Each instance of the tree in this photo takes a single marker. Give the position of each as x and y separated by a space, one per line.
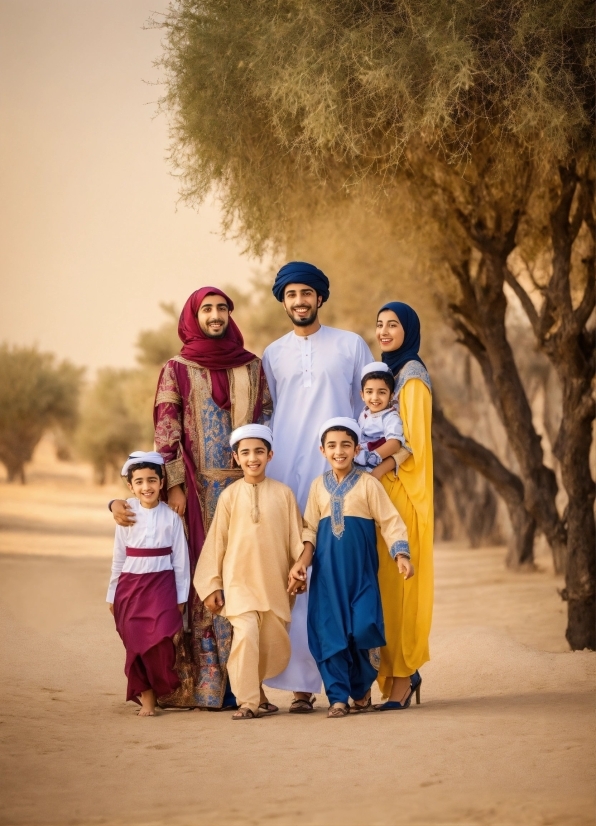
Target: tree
36 394
476 120
110 421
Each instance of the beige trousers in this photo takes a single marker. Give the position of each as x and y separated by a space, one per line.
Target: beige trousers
260 649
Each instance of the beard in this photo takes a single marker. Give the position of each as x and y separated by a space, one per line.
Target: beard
305 321
212 333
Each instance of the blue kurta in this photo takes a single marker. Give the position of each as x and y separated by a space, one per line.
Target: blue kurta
344 598
345 603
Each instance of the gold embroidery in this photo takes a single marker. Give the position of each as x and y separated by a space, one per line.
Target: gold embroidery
175 473
167 396
239 379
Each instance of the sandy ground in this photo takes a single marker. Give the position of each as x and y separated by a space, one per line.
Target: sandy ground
504 734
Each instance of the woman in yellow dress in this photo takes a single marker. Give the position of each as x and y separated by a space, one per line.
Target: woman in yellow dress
408 479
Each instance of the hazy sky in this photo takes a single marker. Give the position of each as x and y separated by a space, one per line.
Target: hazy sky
91 237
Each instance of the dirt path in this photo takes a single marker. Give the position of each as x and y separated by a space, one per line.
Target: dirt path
504 735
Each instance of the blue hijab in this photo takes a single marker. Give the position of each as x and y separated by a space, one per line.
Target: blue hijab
395 359
299 272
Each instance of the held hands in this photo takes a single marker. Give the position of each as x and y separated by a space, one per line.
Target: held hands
111 607
215 602
181 607
297 579
177 500
404 566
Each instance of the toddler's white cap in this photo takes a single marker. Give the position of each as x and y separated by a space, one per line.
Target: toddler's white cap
251 431
342 422
138 456
374 367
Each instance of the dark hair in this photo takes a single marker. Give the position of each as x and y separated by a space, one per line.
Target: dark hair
338 429
384 375
140 465
265 442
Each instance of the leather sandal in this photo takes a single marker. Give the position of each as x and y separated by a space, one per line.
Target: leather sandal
362 708
303 706
267 708
244 714
335 712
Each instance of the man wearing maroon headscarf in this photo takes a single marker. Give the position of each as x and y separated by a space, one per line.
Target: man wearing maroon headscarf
212 387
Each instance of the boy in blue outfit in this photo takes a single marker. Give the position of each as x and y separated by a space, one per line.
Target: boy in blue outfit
345 618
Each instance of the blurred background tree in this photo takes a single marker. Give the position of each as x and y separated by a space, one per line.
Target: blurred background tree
36 395
117 408
467 129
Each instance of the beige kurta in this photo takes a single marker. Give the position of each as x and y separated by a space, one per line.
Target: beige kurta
255 537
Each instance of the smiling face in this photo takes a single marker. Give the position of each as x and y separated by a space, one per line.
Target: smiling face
146 484
213 316
302 304
339 450
390 333
253 456
376 395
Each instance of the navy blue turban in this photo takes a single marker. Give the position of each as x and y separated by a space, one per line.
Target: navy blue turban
299 272
395 359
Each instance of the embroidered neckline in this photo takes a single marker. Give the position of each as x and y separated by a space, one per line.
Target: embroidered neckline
411 370
337 492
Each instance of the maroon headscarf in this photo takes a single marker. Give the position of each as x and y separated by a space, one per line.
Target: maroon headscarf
216 354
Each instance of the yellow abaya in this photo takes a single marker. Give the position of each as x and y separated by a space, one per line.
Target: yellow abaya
408 606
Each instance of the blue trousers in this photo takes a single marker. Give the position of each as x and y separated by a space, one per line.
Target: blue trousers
347 674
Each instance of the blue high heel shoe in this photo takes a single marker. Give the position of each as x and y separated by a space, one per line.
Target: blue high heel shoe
393 705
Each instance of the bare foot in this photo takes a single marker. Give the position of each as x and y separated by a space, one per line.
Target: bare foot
148 703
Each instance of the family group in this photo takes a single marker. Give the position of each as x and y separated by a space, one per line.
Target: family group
295 548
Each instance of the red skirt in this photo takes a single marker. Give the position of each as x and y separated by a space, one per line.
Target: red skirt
147 615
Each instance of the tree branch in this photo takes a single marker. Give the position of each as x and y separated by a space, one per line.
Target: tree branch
524 298
477 456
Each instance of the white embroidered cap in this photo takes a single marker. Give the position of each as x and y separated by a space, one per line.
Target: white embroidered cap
374 367
138 456
342 422
251 431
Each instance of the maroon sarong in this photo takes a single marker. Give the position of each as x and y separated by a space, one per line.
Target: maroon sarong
147 619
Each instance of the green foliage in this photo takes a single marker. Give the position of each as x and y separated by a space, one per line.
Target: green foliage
155 347
117 412
271 99
111 420
36 394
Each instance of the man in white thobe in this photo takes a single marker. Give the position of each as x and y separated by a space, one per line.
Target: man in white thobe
313 374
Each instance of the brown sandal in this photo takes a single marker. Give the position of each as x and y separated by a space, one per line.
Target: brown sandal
303 706
335 712
362 708
244 714
267 708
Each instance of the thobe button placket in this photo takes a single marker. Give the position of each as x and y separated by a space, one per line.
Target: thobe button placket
306 361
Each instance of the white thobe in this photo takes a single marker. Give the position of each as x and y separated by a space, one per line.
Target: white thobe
311 379
157 527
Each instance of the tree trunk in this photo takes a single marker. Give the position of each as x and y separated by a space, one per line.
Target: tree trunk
15 469
507 484
562 334
479 318
571 349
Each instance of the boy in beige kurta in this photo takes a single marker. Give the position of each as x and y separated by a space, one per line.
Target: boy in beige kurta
242 573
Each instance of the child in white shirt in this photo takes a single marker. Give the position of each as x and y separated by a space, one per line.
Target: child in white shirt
380 423
149 584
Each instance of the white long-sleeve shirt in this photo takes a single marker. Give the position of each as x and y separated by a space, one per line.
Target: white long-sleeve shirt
157 527
311 379
386 424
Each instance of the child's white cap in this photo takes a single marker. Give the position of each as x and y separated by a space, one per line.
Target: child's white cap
251 431
375 367
138 456
341 422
